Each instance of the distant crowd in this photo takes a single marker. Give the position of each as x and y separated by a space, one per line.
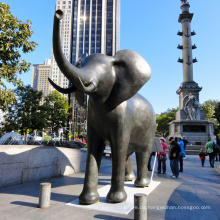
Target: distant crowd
177 154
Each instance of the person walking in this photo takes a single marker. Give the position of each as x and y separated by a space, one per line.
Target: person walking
182 152
185 141
217 153
162 156
174 157
209 147
202 156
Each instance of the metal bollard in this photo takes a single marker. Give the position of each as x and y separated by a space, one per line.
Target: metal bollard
140 206
44 195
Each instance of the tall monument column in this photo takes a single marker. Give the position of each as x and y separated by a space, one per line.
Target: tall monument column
188 86
190 119
185 19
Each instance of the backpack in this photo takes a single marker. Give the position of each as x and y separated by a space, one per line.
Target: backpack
215 148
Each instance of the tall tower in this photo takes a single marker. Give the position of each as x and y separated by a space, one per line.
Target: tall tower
40 75
188 85
88 26
190 119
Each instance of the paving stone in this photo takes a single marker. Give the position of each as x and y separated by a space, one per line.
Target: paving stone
195 195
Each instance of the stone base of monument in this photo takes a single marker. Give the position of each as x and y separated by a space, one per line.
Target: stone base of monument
197 132
117 208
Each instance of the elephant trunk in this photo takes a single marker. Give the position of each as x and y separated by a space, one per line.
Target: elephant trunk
75 75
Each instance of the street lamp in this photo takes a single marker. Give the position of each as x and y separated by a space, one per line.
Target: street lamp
70 123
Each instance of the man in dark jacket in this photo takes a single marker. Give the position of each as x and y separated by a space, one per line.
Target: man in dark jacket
174 157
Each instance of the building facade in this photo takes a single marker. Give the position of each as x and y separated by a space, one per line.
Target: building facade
88 26
40 75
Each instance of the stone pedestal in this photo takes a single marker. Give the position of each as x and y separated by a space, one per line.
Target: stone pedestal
196 129
197 132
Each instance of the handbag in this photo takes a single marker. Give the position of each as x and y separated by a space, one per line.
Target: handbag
162 157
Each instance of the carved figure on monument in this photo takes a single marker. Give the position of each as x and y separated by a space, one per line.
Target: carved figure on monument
116 115
192 107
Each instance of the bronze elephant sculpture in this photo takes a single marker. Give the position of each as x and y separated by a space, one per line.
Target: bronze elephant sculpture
116 114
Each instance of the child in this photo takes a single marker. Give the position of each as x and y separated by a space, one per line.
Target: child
202 155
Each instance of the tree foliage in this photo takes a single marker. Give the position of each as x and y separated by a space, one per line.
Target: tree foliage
57 110
211 111
163 121
26 113
14 39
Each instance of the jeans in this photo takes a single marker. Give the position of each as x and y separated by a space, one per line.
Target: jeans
181 162
203 162
174 165
212 159
159 165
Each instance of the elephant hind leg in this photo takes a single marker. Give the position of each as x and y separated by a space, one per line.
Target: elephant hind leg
142 161
129 174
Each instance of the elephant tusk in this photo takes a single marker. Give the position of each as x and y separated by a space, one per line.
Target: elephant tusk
62 90
89 88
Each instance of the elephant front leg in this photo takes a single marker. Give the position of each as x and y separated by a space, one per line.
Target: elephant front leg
129 174
117 193
95 149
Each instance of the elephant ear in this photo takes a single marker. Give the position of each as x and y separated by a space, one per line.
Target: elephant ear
131 72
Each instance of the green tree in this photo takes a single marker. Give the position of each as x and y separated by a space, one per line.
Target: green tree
213 102
217 112
210 108
26 114
56 108
14 39
163 124
163 121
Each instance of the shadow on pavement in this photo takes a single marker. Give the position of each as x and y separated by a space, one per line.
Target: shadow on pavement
101 216
25 204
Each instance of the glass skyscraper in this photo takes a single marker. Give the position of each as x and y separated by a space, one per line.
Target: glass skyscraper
89 26
96 27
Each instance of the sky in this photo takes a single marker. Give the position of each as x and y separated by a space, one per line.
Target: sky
150 28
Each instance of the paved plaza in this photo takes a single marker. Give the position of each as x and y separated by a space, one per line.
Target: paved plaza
195 195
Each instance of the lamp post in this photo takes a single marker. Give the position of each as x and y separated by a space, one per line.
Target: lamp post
70 123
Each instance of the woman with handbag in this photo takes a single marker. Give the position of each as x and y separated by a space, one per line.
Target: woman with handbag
162 156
